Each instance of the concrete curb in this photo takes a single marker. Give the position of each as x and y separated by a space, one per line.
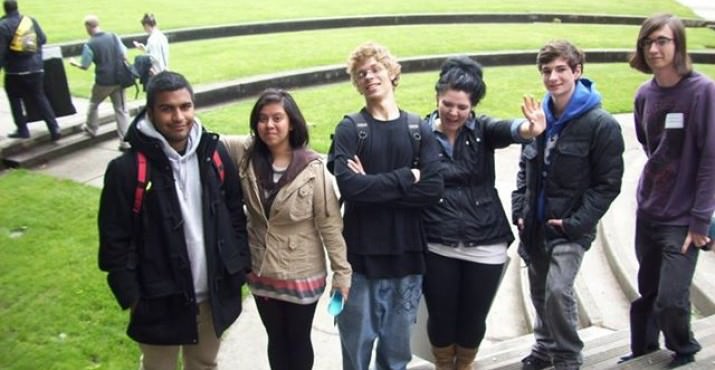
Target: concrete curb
231 91
74 48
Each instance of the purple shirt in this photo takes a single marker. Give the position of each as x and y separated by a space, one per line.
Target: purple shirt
676 126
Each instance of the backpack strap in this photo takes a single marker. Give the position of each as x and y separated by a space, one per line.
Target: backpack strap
218 164
362 130
413 124
142 181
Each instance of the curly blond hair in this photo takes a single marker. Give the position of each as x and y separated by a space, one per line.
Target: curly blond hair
381 54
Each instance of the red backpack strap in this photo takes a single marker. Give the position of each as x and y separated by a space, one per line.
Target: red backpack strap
218 163
141 182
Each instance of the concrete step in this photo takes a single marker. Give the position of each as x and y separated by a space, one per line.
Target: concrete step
601 297
44 151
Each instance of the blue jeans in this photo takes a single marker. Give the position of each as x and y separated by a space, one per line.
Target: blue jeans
382 309
551 279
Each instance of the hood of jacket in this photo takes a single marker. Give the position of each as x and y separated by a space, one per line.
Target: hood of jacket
584 98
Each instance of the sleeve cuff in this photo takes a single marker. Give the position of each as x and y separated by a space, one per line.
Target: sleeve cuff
515 135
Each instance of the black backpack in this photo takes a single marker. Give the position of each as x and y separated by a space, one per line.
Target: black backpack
413 124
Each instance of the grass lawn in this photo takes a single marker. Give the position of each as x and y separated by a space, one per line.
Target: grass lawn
57 311
62 20
323 107
208 61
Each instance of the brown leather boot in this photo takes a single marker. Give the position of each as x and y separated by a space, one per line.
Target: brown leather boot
465 358
444 357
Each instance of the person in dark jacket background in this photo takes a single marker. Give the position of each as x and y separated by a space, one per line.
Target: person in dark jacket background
178 258
467 232
24 74
567 179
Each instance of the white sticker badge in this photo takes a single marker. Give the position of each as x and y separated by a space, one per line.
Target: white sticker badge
673 120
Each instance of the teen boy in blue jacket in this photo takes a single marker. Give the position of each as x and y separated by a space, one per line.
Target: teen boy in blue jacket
568 177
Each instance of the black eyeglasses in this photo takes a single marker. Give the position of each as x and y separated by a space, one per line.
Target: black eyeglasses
660 42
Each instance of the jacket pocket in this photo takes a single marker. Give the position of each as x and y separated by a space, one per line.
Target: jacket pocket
162 288
571 168
301 203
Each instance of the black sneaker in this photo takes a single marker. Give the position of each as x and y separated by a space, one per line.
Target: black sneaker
18 135
54 136
632 356
680 359
532 362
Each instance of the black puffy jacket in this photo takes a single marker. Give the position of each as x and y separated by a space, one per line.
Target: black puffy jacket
583 179
470 210
146 259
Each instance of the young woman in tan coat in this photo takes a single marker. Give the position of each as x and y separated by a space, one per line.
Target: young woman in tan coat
293 219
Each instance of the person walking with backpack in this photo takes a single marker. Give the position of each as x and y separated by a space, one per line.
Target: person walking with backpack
108 54
385 183
467 231
294 221
21 40
157 45
172 232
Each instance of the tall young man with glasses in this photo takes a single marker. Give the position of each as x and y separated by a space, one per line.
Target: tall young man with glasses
384 193
675 124
568 177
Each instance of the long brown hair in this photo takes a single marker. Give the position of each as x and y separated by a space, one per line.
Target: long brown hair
681 61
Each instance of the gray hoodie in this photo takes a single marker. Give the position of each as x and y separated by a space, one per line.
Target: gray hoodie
187 182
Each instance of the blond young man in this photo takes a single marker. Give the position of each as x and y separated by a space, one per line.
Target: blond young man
384 192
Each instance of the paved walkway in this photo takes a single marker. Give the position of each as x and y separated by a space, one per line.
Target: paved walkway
702 8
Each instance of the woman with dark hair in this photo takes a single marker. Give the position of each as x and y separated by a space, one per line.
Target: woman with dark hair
467 232
293 219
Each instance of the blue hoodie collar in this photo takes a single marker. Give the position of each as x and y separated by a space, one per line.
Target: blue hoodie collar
584 98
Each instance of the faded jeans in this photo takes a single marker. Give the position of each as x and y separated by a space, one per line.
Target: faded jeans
379 309
551 279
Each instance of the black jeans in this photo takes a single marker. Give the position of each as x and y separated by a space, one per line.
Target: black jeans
288 326
24 89
458 294
664 279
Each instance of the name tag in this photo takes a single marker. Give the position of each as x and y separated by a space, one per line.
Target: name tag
673 120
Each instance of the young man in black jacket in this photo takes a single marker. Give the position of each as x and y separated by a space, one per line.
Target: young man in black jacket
176 255
384 193
568 177
24 74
